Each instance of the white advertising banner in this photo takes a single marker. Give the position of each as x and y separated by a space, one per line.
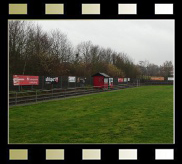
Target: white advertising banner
125 79
170 78
71 79
110 80
105 80
51 80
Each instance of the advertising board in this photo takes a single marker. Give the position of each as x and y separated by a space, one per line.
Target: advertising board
51 80
125 79
25 80
156 78
110 80
71 79
120 80
170 78
105 80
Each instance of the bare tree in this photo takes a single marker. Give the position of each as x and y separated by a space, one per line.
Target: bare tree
17 45
35 51
167 69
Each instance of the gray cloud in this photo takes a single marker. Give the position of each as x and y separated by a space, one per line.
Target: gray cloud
151 40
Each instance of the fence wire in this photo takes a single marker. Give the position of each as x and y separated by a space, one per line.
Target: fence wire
63 83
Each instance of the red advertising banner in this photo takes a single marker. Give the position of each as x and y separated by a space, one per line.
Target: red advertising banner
120 80
25 80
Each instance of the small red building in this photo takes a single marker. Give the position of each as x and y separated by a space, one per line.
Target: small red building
100 80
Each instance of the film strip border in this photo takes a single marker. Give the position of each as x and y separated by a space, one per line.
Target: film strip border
94 9
90 9
90 154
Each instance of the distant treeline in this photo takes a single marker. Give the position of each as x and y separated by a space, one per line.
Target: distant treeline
33 51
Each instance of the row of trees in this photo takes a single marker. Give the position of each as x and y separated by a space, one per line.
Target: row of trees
148 69
33 51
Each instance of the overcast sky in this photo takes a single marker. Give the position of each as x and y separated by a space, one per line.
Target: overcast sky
151 40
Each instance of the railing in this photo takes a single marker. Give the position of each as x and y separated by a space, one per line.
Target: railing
18 98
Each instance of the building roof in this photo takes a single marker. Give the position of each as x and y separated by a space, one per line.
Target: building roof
101 74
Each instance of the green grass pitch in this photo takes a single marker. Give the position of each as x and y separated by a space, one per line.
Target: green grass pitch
134 115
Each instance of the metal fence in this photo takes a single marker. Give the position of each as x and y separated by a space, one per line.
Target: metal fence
63 89
29 96
63 83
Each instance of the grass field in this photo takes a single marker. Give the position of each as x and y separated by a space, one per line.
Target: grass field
134 115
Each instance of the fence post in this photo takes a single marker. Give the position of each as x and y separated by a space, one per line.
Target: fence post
42 82
75 81
61 81
137 82
36 95
16 98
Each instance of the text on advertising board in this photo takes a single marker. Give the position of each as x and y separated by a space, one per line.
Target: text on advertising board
156 78
25 80
71 79
120 80
51 80
110 80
